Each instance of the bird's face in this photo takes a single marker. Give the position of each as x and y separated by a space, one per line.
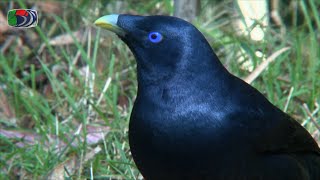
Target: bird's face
165 48
153 40
159 43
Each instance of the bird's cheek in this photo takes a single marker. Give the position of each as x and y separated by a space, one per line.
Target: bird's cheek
142 43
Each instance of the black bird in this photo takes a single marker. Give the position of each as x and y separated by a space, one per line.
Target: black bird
192 119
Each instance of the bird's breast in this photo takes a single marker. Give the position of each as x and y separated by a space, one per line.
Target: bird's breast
159 131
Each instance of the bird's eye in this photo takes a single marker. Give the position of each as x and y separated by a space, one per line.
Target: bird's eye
155 37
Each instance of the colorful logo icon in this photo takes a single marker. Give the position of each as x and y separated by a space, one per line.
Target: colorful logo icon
22 18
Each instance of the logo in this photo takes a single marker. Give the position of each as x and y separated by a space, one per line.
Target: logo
22 18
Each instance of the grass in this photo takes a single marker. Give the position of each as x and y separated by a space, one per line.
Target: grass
55 91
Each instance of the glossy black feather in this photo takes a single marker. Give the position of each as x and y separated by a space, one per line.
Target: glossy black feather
192 119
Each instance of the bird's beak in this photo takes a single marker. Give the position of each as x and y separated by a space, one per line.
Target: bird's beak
109 22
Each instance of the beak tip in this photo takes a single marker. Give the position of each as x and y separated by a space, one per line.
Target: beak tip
111 19
109 22
98 22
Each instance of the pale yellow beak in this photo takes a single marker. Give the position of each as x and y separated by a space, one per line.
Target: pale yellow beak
109 22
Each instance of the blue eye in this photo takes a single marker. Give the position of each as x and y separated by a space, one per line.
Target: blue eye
155 37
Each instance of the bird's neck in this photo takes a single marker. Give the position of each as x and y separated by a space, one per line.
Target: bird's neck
201 60
201 69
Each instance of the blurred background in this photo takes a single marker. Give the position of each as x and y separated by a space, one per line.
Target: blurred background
67 87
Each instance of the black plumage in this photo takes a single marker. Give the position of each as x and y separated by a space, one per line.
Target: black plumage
192 119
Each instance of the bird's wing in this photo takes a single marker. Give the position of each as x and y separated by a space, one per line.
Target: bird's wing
274 130
288 136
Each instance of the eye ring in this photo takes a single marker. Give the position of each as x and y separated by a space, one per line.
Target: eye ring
155 37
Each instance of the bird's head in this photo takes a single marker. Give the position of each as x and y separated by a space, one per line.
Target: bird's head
163 45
